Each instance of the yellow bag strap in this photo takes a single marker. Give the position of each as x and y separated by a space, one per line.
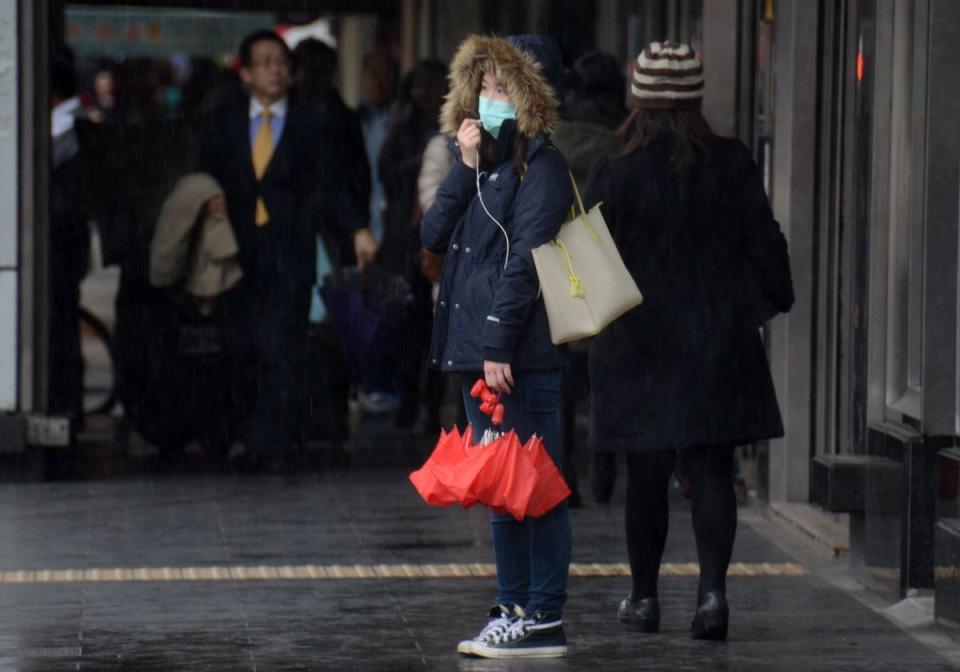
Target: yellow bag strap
576 193
576 284
583 212
573 211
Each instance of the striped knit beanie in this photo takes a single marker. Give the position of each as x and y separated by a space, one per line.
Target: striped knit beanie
667 75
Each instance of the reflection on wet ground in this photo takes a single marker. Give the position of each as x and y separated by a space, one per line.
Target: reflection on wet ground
249 584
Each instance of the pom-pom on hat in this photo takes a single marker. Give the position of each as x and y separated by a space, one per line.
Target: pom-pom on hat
667 75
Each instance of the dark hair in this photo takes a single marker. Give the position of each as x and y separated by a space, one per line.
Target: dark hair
63 80
316 52
687 128
426 85
518 152
598 74
316 64
246 46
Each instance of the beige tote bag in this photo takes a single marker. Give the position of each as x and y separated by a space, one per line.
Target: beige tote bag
584 281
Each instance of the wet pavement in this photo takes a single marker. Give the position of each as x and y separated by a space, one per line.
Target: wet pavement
351 571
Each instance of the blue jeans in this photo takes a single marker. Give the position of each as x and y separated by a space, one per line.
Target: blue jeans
533 555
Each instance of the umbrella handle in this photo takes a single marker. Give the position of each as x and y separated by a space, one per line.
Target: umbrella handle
490 401
484 394
479 388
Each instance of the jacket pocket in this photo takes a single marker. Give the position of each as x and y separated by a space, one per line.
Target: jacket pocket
498 195
480 286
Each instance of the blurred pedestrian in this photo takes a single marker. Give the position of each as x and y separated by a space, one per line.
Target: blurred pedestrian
433 170
69 248
377 388
281 184
414 123
206 88
685 375
507 192
586 134
380 75
591 114
315 83
401 157
107 108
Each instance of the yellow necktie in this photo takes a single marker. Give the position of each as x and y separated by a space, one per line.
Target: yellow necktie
262 151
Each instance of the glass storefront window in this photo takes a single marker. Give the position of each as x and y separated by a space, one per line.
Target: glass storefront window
906 224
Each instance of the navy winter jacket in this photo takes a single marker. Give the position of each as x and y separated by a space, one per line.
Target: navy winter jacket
486 311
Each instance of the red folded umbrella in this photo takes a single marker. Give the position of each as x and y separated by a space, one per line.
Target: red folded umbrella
429 480
509 477
550 488
497 473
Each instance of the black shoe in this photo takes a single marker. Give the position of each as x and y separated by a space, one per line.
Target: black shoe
710 621
535 635
644 615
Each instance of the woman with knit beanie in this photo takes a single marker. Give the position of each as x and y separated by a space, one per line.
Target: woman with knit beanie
684 378
507 192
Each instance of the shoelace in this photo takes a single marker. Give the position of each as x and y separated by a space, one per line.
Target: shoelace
517 630
496 627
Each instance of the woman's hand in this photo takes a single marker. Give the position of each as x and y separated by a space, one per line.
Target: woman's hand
498 376
468 137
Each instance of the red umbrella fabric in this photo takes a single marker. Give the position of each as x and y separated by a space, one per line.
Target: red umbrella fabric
550 488
519 479
500 473
429 479
507 477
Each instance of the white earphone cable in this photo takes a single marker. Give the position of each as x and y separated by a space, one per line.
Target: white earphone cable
483 205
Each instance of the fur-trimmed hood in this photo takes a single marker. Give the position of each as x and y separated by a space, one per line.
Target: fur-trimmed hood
520 72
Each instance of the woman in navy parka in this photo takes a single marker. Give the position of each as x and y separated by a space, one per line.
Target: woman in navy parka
491 321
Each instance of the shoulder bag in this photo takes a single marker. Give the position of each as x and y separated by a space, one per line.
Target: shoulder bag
585 283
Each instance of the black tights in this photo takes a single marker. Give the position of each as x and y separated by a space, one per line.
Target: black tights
709 471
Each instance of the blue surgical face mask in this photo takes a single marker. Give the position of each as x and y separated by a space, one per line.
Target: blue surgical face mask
494 112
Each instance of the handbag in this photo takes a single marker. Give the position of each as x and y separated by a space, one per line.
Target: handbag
585 283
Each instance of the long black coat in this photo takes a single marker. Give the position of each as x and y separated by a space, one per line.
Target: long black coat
688 367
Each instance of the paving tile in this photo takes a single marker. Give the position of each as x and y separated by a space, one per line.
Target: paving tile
371 517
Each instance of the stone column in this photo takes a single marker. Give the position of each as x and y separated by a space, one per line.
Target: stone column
357 35
9 205
720 34
792 196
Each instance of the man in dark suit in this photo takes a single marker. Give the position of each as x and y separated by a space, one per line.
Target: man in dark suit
281 184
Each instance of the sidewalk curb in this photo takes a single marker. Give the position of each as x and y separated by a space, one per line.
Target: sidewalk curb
829 530
809 541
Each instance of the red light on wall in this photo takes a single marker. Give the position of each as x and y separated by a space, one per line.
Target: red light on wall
860 61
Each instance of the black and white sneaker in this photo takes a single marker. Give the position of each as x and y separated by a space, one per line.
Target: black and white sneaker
536 635
501 618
